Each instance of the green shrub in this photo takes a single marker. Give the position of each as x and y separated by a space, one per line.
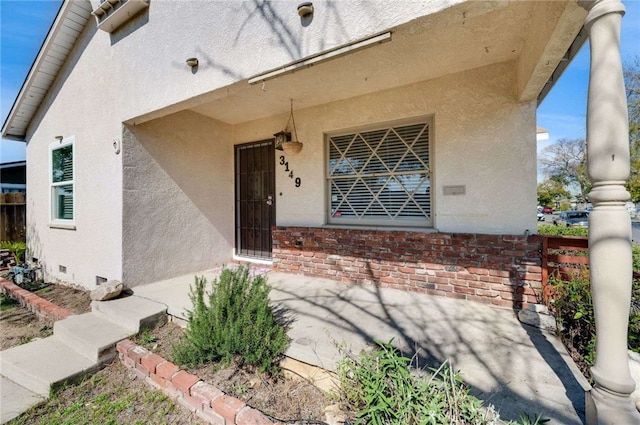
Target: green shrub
553 230
635 255
233 320
18 249
573 308
380 387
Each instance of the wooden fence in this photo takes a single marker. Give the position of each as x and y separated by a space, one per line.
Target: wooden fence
13 217
563 257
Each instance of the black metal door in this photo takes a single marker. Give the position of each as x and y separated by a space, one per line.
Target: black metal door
255 200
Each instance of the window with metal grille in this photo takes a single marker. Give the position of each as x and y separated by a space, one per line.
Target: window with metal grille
62 180
381 177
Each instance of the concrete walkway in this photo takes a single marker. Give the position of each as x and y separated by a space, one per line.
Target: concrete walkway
517 368
80 345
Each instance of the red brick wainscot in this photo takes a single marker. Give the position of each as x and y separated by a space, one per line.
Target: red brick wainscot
502 270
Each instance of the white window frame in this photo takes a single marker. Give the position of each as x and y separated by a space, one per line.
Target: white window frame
53 220
427 222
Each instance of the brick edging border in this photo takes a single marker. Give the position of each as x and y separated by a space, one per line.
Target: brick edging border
43 309
209 403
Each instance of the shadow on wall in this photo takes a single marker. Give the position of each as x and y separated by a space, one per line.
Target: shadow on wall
178 197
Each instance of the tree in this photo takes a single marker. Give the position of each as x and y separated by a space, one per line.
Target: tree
566 162
550 191
632 84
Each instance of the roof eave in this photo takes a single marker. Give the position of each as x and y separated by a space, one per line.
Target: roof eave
15 112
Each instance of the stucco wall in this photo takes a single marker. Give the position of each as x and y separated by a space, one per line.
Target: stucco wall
174 211
78 105
233 41
177 198
482 139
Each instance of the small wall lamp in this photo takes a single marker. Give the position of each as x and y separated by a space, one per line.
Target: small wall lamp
192 62
305 9
59 138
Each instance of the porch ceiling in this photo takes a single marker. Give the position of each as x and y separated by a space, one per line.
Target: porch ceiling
535 35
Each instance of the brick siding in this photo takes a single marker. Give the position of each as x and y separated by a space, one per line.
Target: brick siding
502 270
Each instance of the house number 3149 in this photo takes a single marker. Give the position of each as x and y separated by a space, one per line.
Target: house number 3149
297 180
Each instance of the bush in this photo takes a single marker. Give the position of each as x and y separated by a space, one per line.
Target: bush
635 255
236 321
18 249
573 308
380 387
553 230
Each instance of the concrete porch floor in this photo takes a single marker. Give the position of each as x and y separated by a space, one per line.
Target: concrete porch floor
517 368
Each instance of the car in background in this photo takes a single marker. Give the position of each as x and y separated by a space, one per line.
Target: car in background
540 216
547 210
572 219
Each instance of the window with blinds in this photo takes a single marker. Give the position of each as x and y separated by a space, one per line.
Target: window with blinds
381 177
62 183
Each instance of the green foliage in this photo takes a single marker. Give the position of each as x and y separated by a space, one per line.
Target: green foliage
233 320
552 230
7 302
18 249
380 387
635 255
573 308
550 191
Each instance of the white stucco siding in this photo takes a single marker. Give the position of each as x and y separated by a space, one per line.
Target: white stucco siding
233 40
482 139
78 105
178 197
93 248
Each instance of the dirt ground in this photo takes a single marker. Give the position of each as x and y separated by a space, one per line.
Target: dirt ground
285 399
19 326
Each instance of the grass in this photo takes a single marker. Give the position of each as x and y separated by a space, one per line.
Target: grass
109 397
7 303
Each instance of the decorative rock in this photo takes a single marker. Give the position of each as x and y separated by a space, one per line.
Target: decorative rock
634 368
107 291
540 319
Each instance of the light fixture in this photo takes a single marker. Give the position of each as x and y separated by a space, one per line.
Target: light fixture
305 9
192 62
284 140
59 138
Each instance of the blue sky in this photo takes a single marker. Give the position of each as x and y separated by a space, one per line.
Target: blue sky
24 25
563 112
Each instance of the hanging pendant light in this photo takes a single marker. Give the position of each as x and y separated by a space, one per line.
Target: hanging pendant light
284 140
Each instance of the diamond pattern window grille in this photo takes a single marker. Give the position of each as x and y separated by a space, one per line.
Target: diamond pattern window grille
381 177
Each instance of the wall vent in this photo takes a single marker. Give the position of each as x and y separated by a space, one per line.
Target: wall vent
62 269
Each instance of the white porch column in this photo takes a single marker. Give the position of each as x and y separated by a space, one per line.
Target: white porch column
609 223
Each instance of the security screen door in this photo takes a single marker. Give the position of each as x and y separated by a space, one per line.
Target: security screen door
255 200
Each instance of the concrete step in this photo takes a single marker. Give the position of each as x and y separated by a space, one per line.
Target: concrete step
15 399
132 312
92 335
44 364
